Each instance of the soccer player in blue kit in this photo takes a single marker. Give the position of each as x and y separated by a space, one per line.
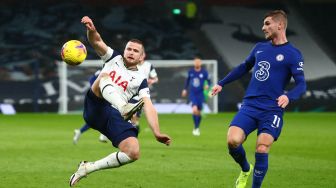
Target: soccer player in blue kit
274 63
197 76
118 81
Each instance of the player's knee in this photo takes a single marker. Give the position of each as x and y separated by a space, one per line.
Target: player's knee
262 148
233 142
195 111
134 154
104 79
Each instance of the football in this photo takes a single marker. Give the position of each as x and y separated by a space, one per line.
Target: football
73 52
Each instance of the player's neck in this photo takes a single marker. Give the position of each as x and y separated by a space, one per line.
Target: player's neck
281 39
130 66
197 69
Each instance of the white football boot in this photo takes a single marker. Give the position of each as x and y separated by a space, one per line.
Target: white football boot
129 109
76 136
196 132
103 138
79 174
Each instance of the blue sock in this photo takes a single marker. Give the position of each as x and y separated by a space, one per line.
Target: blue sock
260 169
197 120
84 128
239 155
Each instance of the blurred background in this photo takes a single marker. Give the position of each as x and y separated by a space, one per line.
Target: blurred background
33 32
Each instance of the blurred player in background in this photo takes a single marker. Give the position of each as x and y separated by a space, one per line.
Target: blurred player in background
195 84
274 63
117 83
85 127
147 69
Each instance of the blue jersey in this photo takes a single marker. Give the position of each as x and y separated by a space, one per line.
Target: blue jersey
273 66
195 81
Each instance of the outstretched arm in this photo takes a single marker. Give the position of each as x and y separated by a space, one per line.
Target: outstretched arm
94 37
153 121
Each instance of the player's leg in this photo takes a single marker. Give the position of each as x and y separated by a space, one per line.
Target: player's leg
78 132
129 152
269 131
121 133
235 139
263 146
241 126
196 114
103 87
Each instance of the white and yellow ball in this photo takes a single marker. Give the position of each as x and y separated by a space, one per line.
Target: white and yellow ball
73 52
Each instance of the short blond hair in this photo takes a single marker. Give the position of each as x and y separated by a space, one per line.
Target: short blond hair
278 15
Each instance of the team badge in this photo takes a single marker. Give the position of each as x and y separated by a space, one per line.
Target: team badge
280 57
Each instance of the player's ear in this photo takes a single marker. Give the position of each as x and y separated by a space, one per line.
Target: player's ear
143 56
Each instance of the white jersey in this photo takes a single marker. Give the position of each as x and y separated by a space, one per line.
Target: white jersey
147 69
128 83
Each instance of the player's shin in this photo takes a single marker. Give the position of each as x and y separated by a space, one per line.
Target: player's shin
113 160
108 91
260 169
239 155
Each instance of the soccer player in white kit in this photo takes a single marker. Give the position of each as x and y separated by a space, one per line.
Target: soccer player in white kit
117 83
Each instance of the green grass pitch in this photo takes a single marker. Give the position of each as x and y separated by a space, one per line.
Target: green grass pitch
36 150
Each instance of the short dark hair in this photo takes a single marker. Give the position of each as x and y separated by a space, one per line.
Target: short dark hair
136 41
139 42
278 15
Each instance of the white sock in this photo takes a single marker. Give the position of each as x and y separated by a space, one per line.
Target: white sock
110 94
113 160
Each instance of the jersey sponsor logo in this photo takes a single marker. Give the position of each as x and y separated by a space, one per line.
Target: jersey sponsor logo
196 82
301 66
118 80
280 57
262 73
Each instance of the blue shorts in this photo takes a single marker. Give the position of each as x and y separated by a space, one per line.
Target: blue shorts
197 100
250 118
100 115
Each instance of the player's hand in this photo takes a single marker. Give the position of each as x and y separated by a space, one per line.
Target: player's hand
88 23
283 101
184 93
163 138
216 89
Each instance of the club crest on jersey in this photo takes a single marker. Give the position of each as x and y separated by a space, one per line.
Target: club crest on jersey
118 80
280 57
